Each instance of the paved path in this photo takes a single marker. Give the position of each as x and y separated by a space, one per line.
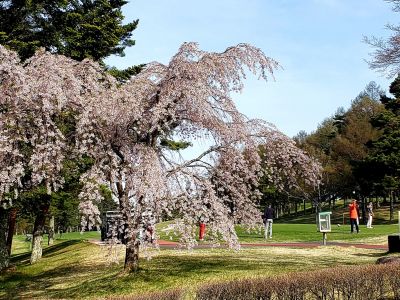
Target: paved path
170 244
316 244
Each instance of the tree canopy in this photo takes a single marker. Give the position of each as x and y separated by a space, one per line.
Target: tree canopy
121 129
385 151
341 144
78 29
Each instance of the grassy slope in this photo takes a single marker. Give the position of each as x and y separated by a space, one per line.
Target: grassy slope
308 233
78 269
302 228
74 268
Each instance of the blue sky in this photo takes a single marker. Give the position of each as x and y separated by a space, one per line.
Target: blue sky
317 42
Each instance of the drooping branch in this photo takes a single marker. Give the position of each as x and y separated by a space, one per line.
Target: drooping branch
190 163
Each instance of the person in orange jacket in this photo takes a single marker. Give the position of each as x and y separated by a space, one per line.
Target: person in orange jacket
353 207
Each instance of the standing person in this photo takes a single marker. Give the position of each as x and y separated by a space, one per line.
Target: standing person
370 215
268 220
353 207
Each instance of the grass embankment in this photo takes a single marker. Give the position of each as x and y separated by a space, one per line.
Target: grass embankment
77 269
74 268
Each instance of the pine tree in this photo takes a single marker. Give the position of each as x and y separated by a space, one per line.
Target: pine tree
78 29
386 150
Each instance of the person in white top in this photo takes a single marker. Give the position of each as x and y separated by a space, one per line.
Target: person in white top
370 215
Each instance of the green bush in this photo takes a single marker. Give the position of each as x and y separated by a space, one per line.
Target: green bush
350 283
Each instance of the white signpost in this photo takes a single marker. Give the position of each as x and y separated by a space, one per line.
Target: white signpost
324 224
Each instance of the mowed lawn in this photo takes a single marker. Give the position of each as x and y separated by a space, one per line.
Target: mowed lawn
287 233
74 268
308 233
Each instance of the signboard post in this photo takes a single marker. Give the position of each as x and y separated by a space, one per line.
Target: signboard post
324 224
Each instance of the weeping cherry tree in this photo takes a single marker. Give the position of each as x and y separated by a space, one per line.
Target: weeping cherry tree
189 99
122 129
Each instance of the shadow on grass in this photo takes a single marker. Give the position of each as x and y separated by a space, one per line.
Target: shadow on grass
21 259
168 272
74 279
18 284
160 273
377 255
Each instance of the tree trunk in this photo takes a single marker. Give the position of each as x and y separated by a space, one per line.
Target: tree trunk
51 231
38 234
304 206
132 256
317 210
4 254
132 243
391 206
11 228
363 210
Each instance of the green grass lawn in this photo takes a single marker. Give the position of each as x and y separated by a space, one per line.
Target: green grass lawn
340 213
21 246
305 233
74 268
309 233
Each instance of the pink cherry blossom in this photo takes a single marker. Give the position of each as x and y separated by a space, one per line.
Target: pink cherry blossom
121 127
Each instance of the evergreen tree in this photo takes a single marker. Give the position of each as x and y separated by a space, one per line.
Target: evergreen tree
339 143
385 151
78 29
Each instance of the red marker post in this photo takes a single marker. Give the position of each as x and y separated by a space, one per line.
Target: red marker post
202 231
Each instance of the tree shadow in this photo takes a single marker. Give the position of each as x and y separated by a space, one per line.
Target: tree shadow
23 258
40 284
101 280
374 254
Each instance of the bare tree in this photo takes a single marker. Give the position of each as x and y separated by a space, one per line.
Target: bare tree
386 57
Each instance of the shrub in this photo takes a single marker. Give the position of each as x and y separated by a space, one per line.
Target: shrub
164 295
347 283
394 280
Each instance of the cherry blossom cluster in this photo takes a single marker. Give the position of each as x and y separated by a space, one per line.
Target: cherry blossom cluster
121 126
